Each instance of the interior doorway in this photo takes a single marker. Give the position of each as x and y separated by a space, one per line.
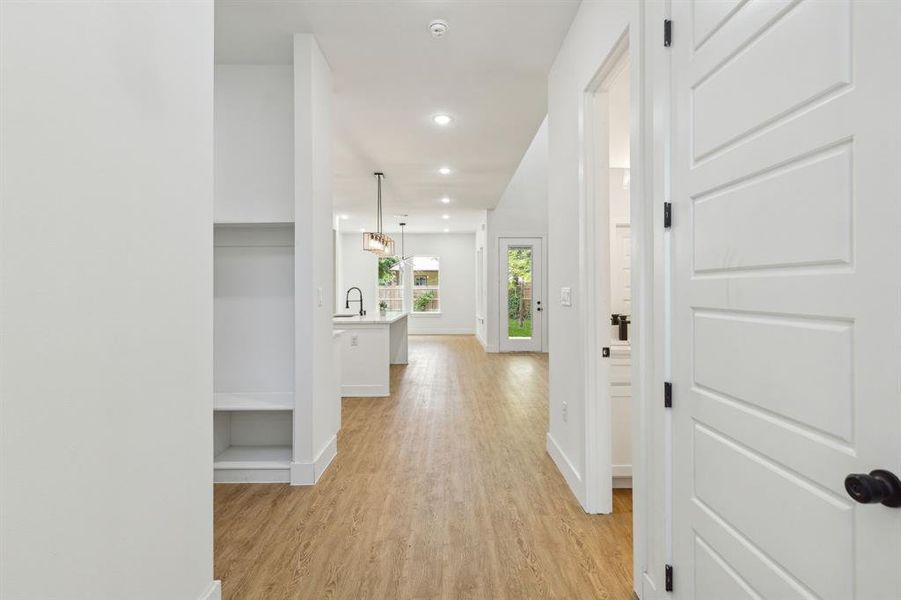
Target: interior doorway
616 90
613 434
520 312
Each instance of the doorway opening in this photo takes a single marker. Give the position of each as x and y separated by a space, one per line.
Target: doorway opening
610 263
519 309
619 273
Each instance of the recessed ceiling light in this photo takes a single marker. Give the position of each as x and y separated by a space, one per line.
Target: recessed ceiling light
443 120
446 230
444 170
445 217
344 217
445 200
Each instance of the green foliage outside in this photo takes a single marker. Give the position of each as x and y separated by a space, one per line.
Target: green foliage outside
519 261
421 302
386 275
515 330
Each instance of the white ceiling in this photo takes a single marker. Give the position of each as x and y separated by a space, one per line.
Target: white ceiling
390 77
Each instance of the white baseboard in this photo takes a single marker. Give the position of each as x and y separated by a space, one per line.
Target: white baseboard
622 476
572 477
482 342
622 471
622 483
309 473
276 475
214 592
365 391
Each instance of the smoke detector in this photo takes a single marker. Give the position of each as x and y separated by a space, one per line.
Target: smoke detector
438 28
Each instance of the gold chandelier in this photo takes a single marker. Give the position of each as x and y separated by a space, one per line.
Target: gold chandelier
377 242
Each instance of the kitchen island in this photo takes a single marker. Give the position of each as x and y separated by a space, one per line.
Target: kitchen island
369 346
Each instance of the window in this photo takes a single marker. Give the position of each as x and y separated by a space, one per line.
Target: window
426 284
391 283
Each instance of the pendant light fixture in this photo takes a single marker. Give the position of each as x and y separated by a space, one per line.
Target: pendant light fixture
404 259
378 242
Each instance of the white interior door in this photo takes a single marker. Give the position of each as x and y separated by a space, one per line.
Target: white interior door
520 308
786 285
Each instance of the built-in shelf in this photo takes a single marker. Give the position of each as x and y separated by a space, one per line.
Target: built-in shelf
240 401
253 318
254 457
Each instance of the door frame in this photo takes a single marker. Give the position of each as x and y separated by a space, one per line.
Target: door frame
648 159
501 289
594 274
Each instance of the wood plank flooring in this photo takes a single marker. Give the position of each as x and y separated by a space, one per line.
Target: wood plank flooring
443 490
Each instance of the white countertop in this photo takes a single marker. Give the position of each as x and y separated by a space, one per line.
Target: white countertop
369 319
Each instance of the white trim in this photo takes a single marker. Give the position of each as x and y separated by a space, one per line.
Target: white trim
648 587
622 476
622 483
364 391
598 467
566 468
280 475
214 592
482 342
426 313
622 471
494 245
308 473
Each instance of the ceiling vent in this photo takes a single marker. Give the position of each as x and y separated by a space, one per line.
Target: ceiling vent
438 28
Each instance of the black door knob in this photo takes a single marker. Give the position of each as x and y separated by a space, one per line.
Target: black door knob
877 487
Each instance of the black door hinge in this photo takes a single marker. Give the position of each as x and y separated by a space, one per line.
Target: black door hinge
667 33
668 578
667 394
667 215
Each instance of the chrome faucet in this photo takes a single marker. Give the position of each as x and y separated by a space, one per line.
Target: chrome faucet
347 300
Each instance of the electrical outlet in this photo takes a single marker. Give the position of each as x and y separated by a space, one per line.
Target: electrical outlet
565 415
354 340
566 296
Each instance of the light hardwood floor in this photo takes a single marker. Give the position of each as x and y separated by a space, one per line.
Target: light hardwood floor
443 490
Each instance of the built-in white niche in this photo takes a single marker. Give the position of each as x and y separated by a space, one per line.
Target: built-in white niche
253 374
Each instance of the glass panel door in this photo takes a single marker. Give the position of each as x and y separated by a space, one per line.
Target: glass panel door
519 291
520 310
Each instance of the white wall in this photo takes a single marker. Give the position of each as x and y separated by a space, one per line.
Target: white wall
317 416
521 212
357 268
106 305
253 308
481 247
456 252
254 143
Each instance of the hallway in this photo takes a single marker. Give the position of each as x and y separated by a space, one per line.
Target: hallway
443 490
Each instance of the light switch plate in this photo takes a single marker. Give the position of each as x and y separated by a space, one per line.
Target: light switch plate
566 296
